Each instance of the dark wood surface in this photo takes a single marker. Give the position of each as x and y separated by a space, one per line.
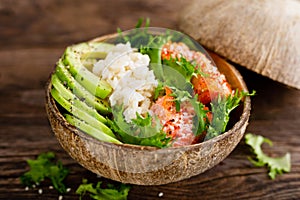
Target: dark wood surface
33 34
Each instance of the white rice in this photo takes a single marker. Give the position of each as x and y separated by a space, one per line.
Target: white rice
128 74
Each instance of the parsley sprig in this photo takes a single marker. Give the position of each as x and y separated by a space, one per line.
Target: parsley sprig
112 191
45 167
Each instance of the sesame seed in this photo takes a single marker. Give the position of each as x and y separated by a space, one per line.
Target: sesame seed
40 191
60 197
50 187
33 186
160 194
26 188
68 189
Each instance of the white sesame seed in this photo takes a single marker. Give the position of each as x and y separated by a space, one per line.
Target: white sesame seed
40 191
50 187
68 189
26 188
60 197
160 194
33 186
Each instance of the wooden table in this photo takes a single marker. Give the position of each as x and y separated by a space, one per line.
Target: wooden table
33 35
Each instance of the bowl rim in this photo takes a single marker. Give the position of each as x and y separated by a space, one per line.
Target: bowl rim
243 118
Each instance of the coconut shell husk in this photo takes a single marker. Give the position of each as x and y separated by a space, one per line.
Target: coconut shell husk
261 35
145 165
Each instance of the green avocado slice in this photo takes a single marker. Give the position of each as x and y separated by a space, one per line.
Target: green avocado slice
69 95
69 106
94 132
73 58
67 79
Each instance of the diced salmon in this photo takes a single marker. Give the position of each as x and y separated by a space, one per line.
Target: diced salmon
176 124
207 85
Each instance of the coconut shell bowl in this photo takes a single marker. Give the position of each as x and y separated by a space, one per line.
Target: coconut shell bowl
146 165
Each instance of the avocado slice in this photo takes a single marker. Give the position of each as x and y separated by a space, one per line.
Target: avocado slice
74 110
69 95
73 58
67 79
94 132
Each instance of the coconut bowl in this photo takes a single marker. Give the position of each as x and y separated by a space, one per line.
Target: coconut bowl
145 165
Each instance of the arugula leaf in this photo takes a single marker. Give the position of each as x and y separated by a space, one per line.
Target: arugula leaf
141 131
159 90
112 192
176 80
200 121
183 66
160 140
146 43
180 96
134 37
140 23
45 167
142 121
138 37
138 127
276 165
221 107
153 47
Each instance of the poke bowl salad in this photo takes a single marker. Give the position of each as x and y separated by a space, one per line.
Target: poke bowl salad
148 91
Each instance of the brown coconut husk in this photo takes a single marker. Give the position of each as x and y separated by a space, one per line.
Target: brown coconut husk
261 35
145 165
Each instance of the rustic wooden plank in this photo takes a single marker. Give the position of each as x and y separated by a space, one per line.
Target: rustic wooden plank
27 67
56 23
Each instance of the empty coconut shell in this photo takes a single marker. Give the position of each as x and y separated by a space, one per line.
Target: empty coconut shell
261 35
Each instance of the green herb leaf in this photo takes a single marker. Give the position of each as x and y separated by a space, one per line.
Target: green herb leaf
183 66
221 107
112 192
146 43
139 23
152 47
142 121
141 130
180 96
276 165
45 167
159 90
159 140
201 122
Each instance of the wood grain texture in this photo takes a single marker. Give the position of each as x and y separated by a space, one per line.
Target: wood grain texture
263 36
32 23
40 30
